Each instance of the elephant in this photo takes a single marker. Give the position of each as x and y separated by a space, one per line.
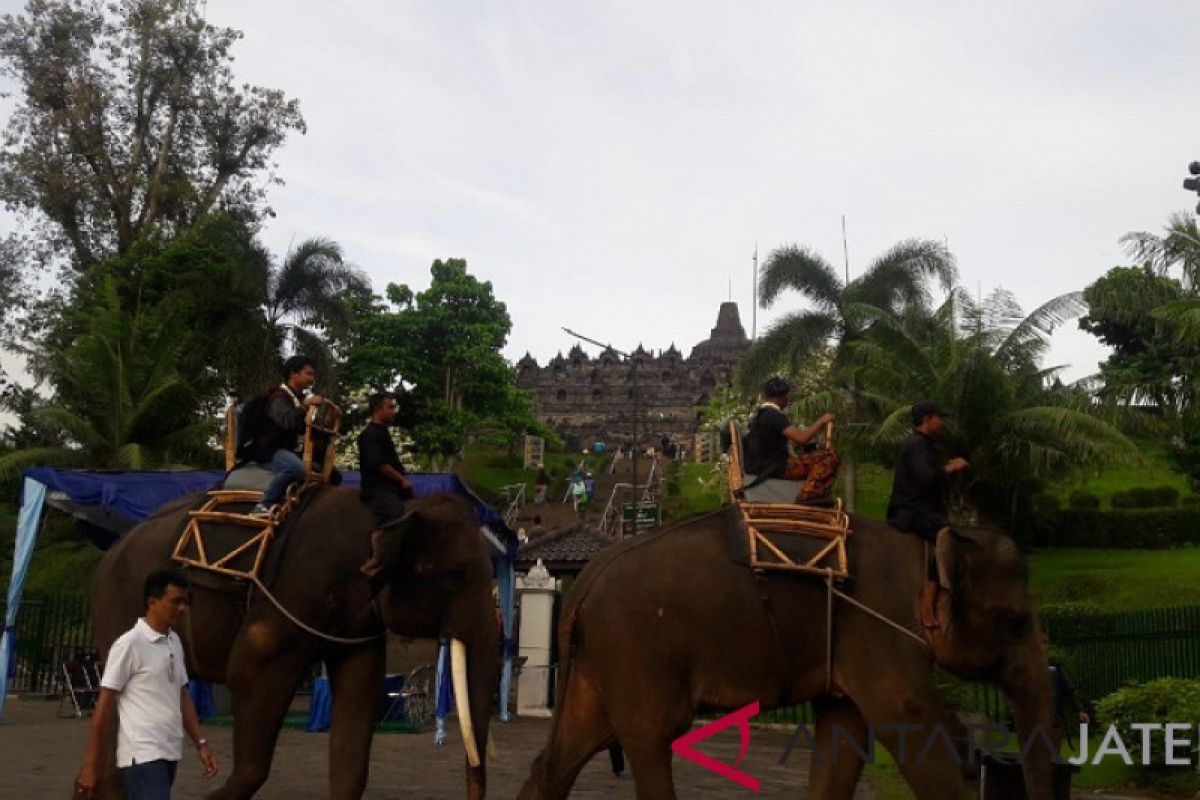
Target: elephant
667 624
436 581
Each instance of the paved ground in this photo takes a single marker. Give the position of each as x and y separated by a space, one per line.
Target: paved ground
39 757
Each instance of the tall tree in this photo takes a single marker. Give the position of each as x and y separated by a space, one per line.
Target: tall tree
129 122
895 284
441 349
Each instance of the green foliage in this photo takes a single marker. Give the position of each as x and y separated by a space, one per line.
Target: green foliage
1130 528
440 349
119 399
1081 500
1016 426
1191 501
129 123
1166 700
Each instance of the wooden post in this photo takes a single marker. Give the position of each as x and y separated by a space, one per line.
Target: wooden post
231 437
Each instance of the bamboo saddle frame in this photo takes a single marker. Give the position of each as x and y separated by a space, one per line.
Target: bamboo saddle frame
769 524
194 551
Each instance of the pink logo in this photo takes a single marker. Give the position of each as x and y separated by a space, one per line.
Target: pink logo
684 746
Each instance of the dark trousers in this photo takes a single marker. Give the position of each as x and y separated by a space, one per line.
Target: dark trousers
386 506
151 780
925 524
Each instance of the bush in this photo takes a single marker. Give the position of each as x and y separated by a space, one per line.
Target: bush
1162 701
1046 503
1081 500
1143 497
1191 501
1165 496
1122 500
1133 528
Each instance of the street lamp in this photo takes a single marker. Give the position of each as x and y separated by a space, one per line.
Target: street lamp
1192 184
633 368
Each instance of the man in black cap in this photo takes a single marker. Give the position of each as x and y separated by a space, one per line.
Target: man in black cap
766 446
918 503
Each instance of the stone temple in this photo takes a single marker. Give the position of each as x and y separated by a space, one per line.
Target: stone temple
591 399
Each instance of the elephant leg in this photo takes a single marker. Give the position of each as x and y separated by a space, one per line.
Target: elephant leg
650 762
263 677
841 737
580 730
910 722
356 682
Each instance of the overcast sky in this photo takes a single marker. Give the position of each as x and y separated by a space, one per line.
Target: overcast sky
610 166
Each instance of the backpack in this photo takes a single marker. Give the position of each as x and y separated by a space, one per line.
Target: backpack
249 421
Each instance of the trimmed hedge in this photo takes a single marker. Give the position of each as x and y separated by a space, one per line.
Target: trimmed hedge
1081 500
1146 497
1046 503
1133 528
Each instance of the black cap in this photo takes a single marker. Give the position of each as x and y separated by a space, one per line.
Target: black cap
926 408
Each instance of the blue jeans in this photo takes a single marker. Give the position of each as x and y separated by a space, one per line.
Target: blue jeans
150 781
288 469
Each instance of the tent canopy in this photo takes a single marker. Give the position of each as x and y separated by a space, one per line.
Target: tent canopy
114 502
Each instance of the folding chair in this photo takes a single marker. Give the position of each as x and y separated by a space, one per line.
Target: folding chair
77 685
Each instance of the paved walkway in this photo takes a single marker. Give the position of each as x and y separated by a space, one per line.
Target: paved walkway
40 755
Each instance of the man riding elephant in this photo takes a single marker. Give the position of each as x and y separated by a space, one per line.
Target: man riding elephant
767 446
918 502
385 486
279 430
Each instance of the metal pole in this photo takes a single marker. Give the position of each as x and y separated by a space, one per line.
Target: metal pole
636 411
754 299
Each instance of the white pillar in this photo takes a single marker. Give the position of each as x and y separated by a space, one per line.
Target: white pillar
536 592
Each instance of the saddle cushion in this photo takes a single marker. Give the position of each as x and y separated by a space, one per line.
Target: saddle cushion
772 490
249 477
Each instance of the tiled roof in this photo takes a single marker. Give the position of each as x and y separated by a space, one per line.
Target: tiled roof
573 544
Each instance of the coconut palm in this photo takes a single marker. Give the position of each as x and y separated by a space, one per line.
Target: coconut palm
1177 246
310 298
120 402
1014 421
894 285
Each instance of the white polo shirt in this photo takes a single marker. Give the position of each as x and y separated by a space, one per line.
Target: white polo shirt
147 668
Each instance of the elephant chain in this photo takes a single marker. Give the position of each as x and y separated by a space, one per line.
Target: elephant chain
308 628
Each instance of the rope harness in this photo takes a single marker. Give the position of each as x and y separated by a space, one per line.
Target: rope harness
308 628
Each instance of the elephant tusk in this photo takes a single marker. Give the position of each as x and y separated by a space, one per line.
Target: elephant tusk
462 703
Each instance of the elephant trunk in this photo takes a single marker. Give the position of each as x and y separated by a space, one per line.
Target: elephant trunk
1026 681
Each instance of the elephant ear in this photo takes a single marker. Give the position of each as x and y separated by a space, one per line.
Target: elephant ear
956 549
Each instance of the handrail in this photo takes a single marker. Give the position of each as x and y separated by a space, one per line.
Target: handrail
608 509
515 502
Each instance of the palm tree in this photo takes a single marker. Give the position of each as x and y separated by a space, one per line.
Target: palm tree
1015 422
120 401
1179 245
310 298
894 285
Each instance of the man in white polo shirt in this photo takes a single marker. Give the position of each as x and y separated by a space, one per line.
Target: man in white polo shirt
145 682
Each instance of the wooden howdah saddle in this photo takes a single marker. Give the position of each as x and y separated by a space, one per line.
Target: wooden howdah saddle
220 536
773 521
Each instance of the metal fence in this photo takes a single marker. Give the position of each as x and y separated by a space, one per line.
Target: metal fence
50 631
1105 652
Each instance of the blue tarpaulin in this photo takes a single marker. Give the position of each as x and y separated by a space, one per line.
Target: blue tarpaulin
134 496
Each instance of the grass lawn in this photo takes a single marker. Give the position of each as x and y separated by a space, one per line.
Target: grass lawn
1116 580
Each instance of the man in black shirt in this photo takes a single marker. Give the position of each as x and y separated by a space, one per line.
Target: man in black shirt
766 446
918 503
384 484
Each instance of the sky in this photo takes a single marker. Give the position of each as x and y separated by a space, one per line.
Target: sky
611 166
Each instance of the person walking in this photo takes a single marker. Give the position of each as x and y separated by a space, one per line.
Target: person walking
145 684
